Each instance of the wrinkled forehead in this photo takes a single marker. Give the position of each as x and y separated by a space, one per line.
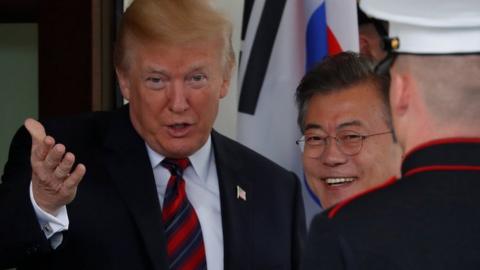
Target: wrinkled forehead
333 112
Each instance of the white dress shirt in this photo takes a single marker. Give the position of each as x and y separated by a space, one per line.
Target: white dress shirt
201 186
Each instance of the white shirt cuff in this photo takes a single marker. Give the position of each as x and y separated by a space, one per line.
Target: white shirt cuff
51 225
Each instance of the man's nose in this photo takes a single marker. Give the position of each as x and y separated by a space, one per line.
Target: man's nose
178 98
332 155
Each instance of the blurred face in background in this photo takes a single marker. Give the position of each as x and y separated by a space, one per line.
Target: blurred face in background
371 43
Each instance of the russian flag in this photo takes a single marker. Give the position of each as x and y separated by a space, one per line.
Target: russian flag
281 39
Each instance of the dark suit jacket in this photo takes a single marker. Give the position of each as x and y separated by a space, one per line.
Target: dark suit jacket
429 219
115 219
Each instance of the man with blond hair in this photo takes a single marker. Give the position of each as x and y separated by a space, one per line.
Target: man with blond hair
151 185
429 218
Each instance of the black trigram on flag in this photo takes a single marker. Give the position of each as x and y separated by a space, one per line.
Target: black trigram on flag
260 52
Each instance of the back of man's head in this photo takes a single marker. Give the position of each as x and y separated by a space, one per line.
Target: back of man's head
172 23
449 86
435 82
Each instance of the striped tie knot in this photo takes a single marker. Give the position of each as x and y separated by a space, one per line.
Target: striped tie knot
176 166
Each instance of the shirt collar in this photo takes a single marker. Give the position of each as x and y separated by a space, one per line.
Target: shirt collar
199 160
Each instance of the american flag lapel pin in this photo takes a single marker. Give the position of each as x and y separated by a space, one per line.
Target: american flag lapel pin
241 194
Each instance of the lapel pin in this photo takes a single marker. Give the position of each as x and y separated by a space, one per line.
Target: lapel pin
241 194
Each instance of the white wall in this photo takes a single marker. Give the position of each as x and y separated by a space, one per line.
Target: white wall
227 116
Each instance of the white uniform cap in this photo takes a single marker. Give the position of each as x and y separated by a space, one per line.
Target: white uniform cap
429 26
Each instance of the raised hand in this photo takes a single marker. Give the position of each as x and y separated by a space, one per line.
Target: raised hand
54 184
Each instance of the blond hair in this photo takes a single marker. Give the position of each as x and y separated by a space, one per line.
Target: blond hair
172 22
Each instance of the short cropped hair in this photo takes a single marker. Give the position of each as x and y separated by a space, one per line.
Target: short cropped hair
338 73
172 22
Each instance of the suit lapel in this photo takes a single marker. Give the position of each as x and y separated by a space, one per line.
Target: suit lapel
237 222
129 166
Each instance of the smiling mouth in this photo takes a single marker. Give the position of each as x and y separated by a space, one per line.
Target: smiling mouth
338 181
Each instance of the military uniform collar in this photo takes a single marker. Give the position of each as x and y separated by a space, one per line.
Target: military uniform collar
443 154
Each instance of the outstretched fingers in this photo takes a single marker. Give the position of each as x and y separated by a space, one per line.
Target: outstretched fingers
53 181
75 177
36 130
54 157
40 141
63 169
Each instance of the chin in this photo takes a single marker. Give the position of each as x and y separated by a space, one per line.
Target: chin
327 204
332 201
180 152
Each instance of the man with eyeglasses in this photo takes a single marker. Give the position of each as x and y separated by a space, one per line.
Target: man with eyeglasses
429 218
347 142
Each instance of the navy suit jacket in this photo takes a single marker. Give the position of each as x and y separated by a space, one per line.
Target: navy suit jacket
115 219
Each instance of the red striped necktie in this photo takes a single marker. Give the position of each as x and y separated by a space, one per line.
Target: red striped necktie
185 247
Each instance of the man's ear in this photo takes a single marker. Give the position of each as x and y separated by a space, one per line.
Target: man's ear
365 48
400 92
123 82
225 86
227 76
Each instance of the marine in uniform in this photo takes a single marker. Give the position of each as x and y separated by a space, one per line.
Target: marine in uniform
429 218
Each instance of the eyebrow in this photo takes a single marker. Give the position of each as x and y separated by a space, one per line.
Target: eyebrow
196 69
313 126
355 123
196 66
159 70
155 70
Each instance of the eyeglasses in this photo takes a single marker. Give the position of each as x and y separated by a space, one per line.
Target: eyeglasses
348 142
